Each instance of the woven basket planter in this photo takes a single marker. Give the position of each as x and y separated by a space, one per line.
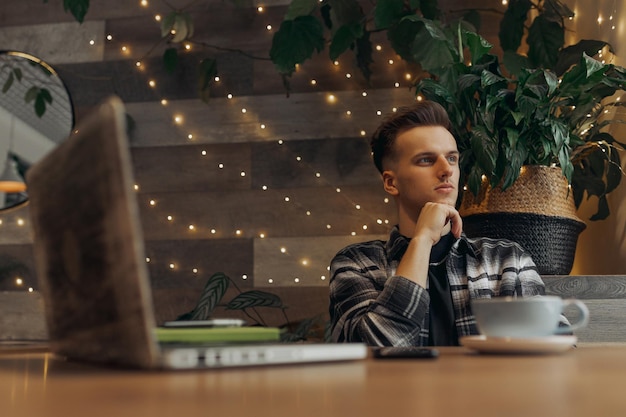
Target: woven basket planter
537 211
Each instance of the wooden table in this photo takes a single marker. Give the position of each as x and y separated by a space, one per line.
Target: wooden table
587 381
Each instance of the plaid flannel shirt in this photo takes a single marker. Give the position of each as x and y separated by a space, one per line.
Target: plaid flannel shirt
370 303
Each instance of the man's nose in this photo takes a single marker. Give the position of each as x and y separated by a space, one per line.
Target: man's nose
444 166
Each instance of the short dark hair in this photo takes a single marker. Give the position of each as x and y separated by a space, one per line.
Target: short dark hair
420 113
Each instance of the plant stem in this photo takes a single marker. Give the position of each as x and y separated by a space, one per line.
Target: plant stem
221 48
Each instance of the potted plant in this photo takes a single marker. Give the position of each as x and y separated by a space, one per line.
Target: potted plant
546 107
524 123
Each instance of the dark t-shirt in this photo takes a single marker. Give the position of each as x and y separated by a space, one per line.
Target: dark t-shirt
442 328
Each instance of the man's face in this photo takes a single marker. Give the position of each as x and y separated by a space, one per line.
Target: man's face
424 168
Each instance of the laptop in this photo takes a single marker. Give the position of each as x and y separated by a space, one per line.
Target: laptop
89 254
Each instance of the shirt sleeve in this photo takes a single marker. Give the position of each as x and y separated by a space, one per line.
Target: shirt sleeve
368 306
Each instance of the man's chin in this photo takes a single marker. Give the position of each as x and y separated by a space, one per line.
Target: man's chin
449 200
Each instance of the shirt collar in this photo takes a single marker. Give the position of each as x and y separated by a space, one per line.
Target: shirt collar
398 243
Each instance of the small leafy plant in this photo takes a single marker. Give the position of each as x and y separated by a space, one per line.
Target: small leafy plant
249 302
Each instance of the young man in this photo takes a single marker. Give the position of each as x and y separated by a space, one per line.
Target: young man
415 289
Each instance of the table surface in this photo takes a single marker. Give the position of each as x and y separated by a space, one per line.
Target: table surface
585 381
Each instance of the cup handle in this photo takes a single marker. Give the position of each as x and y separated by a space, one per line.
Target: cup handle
583 319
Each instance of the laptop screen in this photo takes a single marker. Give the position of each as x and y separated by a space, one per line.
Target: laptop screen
89 247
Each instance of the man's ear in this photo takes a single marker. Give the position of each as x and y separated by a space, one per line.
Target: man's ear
389 182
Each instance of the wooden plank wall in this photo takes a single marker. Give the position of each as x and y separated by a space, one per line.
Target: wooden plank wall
605 296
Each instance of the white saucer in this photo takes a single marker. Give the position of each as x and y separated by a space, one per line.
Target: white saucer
537 345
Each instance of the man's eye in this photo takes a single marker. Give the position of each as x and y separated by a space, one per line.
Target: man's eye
425 160
453 159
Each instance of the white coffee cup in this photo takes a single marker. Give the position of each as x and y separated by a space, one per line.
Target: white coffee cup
525 317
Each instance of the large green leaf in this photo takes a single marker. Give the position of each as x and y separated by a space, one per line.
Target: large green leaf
566 164
545 40
401 37
474 177
213 291
571 55
435 91
387 13
485 148
488 78
478 46
344 38
295 42
557 10
430 47
515 153
515 63
512 24
254 298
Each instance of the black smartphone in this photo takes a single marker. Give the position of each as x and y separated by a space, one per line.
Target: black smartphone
405 352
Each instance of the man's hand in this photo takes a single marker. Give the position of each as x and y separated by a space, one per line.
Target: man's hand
437 219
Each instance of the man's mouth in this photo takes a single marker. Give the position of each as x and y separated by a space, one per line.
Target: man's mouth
445 187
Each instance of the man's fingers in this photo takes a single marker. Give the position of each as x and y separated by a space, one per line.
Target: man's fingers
456 225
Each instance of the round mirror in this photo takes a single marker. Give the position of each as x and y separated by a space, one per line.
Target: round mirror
36 113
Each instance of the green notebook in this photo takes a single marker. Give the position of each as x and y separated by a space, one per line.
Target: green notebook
218 334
